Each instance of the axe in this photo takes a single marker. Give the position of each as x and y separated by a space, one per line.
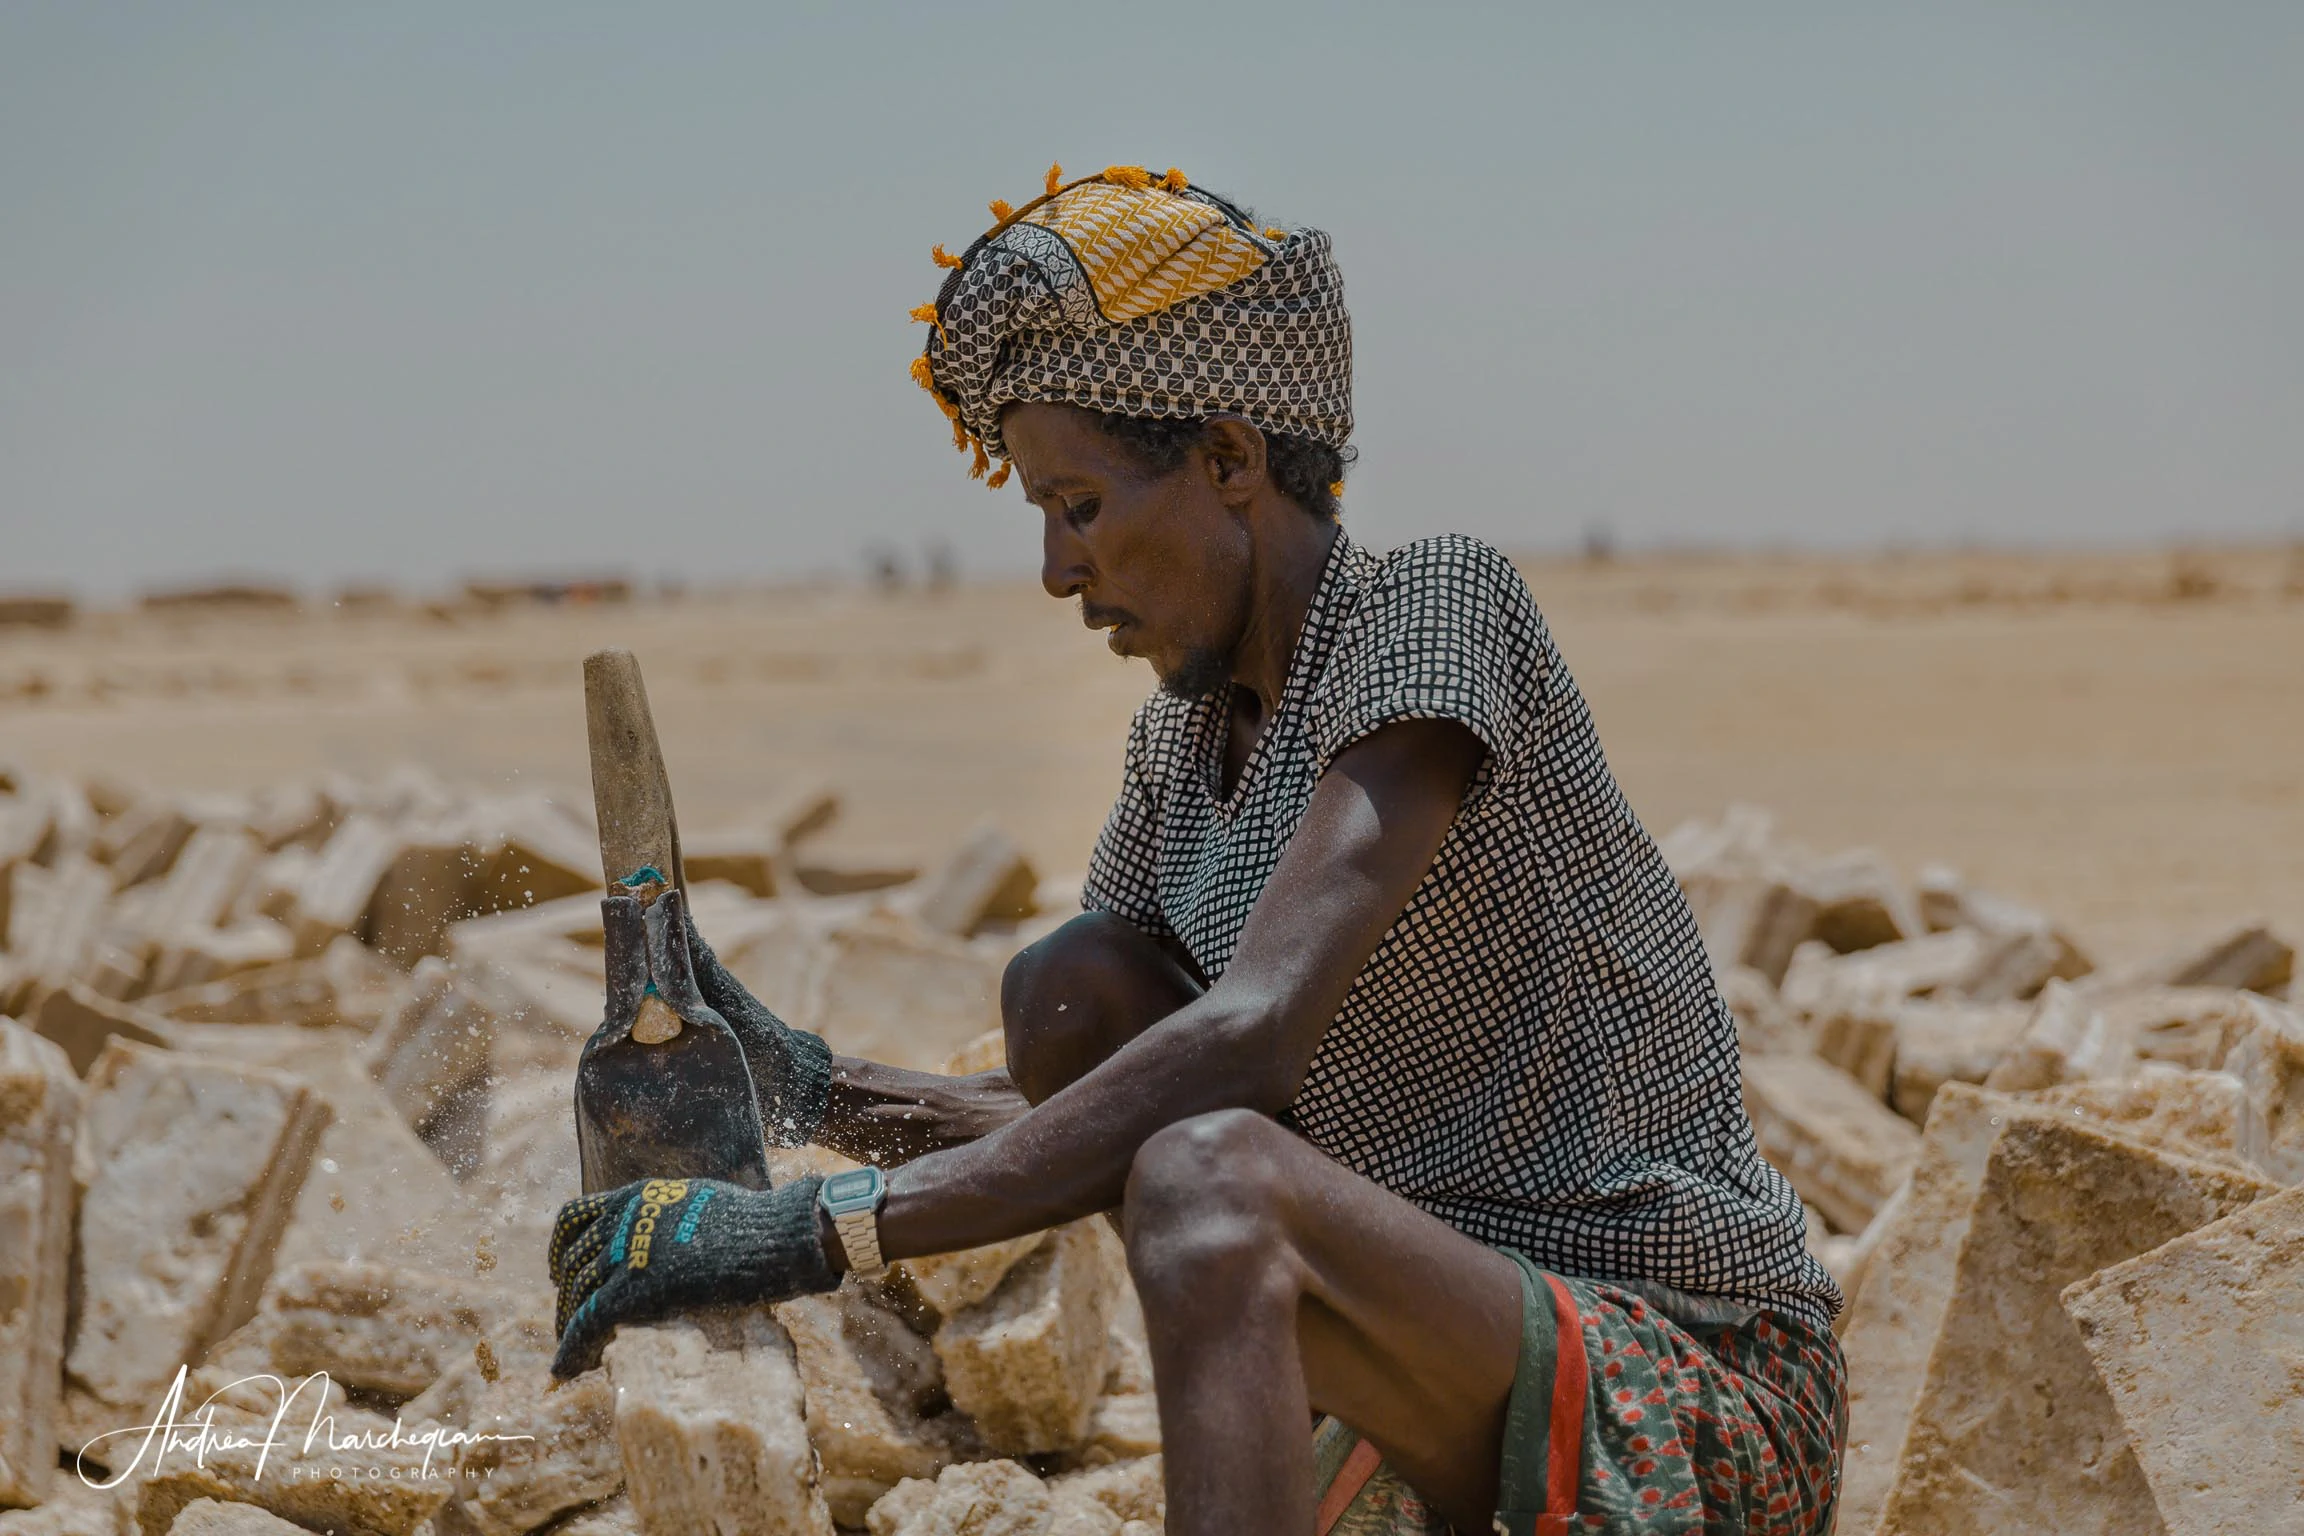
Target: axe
662 1089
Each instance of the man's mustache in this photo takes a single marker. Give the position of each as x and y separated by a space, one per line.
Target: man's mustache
1096 616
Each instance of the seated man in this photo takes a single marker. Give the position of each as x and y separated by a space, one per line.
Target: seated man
1386 1031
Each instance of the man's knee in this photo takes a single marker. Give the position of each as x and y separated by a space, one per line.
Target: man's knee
1061 993
1206 1211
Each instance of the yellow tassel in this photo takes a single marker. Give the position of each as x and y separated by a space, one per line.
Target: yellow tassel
999 476
1134 176
1336 488
925 376
1055 179
943 258
1274 232
959 434
1174 181
1002 210
923 312
983 461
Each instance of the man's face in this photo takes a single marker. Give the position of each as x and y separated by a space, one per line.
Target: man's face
1158 559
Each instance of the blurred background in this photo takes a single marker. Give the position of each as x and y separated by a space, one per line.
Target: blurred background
1896 407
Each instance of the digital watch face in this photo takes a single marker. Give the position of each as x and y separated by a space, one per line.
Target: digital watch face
850 1186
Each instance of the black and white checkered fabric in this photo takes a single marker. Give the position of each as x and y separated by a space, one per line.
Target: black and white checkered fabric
1536 1052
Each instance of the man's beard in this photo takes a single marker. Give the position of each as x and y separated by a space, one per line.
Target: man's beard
1201 674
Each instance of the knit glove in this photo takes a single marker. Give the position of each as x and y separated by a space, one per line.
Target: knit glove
791 1068
660 1246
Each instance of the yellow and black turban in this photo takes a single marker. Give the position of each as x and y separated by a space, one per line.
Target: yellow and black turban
1139 295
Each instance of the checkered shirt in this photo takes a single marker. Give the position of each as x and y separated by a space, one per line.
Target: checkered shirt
1536 1052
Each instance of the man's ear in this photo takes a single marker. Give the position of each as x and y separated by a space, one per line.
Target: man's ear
1234 453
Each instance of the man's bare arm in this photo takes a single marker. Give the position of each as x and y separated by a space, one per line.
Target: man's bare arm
1367 841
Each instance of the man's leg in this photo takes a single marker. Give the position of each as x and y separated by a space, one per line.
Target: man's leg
1276 1281
1079 994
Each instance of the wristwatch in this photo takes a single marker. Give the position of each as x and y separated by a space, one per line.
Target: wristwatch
852 1198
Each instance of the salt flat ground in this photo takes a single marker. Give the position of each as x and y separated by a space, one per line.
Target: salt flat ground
2118 739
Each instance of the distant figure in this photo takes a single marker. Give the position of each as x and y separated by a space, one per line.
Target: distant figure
941 565
1385 1030
884 568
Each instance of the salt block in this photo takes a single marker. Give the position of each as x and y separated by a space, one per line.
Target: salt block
380 1328
866 1377
208 1517
609 1517
1131 1489
852 871
1124 1426
747 859
74 1509
52 932
197 956
2013 1431
1861 1042
338 891
1859 902
2192 1027
350 1475
2067 1039
433 1041
528 1170
987 880
2254 959
1764 1025
978 1498
798 811
1819 981
954 1282
1754 920
710 1414
374 1191
2269 1062
143 841
2199 1343
349 984
80 1022
2015 963
883 989
1896 1312
1027 1362
200 888
435 878
1948 1042
1843 1150
198 1163
986 1053
541 854
570 1460
2193 1114
39 1127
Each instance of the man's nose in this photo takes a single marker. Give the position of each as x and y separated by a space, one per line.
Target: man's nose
1064 569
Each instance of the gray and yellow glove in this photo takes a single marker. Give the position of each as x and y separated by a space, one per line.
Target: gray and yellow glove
657 1246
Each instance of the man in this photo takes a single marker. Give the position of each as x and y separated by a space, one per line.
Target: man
1385 1031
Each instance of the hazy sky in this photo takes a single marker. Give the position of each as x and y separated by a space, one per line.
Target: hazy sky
409 290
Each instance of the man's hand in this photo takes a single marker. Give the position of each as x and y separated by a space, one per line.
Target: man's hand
657 1246
889 1116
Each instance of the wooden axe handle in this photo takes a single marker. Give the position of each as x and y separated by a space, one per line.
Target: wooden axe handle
630 791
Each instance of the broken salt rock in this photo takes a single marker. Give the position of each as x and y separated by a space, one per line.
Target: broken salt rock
710 1415
2189 1337
209 1517
2014 1432
377 1328
866 1376
1026 1363
1843 1150
978 1498
39 1126
198 1163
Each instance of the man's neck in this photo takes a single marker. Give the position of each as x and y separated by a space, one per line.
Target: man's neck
1291 556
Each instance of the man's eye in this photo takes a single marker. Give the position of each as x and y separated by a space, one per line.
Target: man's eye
1082 512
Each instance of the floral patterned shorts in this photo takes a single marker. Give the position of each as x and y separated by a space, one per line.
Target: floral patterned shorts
1635 1409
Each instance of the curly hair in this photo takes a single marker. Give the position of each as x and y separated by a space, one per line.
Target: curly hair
1308 473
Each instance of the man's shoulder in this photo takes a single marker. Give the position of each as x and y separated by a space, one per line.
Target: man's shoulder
1446 565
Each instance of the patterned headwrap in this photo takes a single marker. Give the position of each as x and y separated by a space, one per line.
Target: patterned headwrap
1139 295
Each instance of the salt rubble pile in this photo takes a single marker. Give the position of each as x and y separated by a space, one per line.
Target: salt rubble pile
284 1088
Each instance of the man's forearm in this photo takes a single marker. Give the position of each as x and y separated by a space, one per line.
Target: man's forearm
1070 1157
890 1115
